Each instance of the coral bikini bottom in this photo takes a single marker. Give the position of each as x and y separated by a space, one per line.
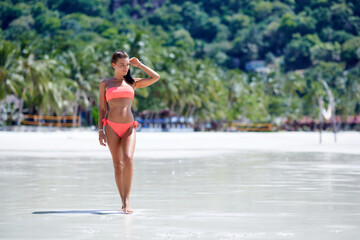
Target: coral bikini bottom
120 128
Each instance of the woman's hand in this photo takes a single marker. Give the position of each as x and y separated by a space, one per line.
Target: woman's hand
102 138
134 62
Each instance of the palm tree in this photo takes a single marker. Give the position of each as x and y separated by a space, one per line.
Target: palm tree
293 85
212 100
82 68
351 98
11 80
253 100
233 81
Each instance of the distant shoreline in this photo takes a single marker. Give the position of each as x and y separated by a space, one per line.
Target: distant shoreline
164 145
26 128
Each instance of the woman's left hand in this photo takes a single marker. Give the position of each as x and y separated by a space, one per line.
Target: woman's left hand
134 62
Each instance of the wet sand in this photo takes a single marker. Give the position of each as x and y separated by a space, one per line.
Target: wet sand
158 145
60 185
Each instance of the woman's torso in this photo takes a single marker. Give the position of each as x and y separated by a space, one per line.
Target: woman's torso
119 108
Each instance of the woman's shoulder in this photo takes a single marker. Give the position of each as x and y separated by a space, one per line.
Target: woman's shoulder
104 82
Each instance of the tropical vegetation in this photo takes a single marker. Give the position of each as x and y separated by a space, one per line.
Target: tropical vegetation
53 55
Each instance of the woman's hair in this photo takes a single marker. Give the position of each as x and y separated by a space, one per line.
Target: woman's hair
122 54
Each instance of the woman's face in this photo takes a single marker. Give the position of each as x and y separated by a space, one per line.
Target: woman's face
121 66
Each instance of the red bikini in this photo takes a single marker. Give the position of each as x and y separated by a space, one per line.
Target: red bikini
119 92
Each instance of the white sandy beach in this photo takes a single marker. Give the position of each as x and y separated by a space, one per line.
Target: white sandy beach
80 143
208 185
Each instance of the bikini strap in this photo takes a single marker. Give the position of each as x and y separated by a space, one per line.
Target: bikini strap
104 120
135 124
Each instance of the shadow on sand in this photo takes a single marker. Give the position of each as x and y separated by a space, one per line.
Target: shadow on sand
98 212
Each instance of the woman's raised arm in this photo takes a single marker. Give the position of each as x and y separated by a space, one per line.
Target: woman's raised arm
144 82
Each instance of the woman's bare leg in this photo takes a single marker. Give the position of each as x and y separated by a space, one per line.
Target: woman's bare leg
128 141
113 141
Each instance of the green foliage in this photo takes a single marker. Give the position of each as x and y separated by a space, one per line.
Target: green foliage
340 14
323 17
262 9
237 22
169 17
38 9
297 53
325 52
8 13
70 6
288 23
305 24
9 54
54 53
350 51
183 39
47 23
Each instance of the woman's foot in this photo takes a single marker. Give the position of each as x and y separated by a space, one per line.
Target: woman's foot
122 209
128 209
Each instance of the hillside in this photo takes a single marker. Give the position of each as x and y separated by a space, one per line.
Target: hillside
202 49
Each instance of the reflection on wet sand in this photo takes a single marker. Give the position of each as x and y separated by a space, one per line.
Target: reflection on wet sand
235 196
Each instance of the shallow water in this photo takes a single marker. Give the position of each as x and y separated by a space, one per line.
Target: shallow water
239 196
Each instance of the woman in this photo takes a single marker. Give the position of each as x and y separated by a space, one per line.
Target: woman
116 123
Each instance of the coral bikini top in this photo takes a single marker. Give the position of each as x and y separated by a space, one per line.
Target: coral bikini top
119 92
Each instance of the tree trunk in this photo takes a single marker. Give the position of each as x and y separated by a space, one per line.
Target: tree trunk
188 110
192 111
41 113
182 106
288 106
172 107
76 108
21 107
3 111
